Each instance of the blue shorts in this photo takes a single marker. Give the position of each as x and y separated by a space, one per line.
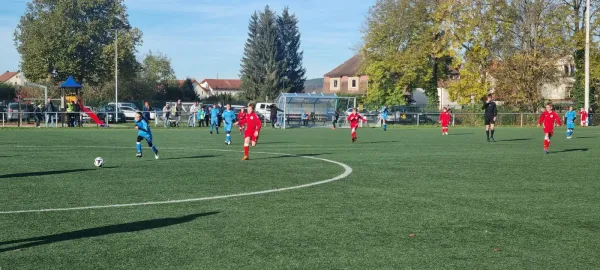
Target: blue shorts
384 116
571 125
214 121
228 127
147 138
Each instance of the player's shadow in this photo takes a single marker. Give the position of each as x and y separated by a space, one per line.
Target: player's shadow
515 140
275 142
192 157
586 137
460 134
101 231
296 156
573 150
376 142
30 174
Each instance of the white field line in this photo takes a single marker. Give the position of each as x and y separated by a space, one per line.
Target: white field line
346 173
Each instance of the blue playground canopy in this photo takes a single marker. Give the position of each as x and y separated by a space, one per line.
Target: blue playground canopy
70 83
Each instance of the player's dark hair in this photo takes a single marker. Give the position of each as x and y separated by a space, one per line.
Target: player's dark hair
490 95
251 105
139 113
549 104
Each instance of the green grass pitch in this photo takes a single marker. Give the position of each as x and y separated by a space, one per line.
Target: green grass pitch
470 204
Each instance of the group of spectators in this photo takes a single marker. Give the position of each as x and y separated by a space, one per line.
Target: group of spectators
197 115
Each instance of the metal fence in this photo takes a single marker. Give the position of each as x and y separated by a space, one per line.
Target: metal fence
158 119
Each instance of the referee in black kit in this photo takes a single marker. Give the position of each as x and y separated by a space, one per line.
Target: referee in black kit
491 112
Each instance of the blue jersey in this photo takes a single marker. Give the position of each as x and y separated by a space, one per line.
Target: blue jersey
214 113
228 117
144 129
570 117
384 112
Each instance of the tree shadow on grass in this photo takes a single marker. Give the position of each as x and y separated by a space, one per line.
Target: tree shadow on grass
193 157
30 174
101 231
572 150
586 137
275 143
515 140
293 156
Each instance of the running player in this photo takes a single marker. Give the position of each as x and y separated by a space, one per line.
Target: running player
570 118
548 118
214 118
353 119
241 116
144 133
228 119
384 114
252 130
584 116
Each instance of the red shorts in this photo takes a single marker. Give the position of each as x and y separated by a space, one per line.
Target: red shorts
549 131
250 134
445 125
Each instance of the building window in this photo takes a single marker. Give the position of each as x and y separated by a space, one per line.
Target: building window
353 83
334 84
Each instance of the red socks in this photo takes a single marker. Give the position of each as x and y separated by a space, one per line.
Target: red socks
546 144
353 135
246 150
444 130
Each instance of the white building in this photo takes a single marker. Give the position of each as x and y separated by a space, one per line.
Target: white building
222 86
13 78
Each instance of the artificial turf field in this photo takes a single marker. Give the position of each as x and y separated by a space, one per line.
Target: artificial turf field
470 204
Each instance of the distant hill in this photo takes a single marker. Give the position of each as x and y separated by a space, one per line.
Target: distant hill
313 85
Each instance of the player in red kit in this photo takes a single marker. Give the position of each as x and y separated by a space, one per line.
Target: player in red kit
583 117
445 120
353 119
253 125
548 119
241 116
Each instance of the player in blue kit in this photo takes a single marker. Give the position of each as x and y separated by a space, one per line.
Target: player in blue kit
228 120
570 118
214 118
384 114
144 133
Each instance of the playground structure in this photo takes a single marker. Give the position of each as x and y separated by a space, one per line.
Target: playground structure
70 90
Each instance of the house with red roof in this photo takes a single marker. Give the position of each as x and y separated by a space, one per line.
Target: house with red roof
222 86
12 78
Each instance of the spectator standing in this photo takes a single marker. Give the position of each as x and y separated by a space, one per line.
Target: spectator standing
50 113
166 114
77 114
201 115
274 111
38 115
179 109
146 111
193 115
207 116
70 110
591 117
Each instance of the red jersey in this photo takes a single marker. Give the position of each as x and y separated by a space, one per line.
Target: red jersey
583 116
445 118
353 118
548 119
241 116
252 122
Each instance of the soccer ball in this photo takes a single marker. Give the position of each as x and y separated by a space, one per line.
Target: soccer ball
99 162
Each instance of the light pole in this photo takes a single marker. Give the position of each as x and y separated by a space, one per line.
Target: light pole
116 76
587 55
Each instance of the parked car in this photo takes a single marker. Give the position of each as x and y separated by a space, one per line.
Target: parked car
125 104
84 117
263 109
107 114
129 112
13 112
